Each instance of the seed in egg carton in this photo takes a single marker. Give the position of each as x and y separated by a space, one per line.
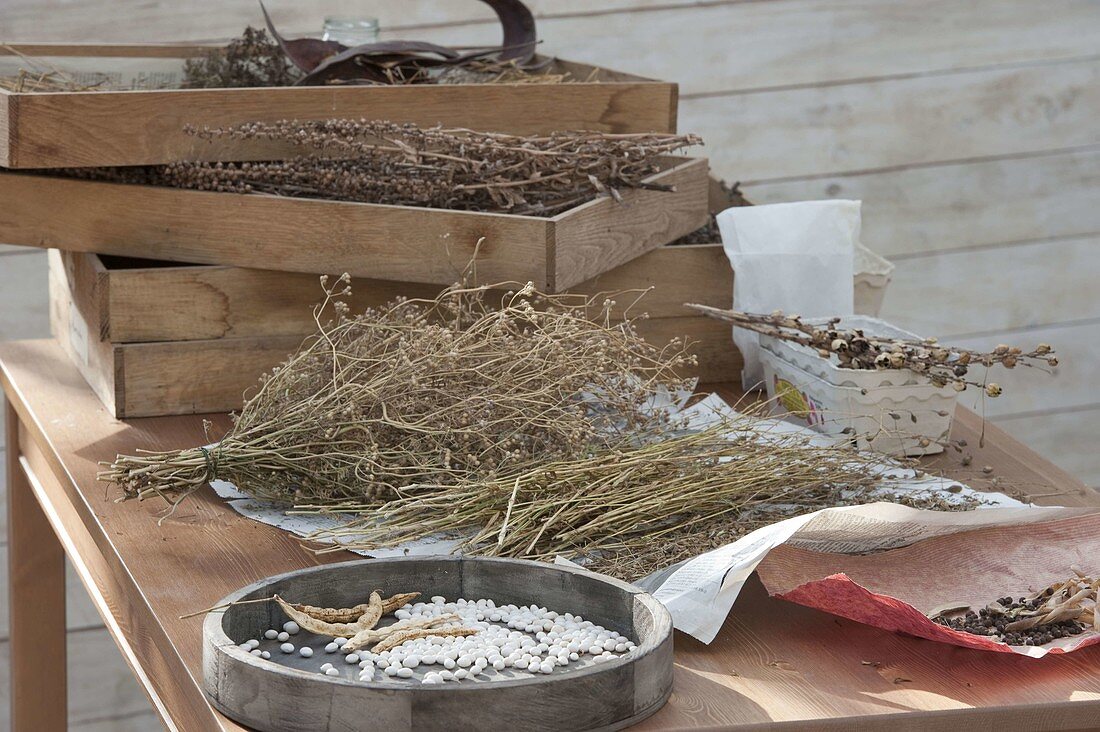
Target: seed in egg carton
1061 610
448 641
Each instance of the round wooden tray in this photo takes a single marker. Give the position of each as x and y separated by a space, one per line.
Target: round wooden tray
287 697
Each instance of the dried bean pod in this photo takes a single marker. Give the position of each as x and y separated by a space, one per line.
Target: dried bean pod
397 639
332 614
373 613
399 600
366 637
314 625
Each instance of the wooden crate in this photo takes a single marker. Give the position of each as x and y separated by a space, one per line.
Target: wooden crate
147 127
155 338
154 379
398 243
137 300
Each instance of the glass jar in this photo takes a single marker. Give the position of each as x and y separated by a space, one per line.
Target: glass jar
350 31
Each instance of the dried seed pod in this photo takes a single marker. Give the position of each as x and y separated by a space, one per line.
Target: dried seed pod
333 614
320 627
993 390
399 600
373 635
372 614
407 635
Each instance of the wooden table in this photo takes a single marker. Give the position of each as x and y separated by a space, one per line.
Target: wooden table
775 665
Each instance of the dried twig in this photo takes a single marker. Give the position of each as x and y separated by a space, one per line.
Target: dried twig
854 349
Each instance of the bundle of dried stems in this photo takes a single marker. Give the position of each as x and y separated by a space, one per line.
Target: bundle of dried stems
375 161
449 391
527 428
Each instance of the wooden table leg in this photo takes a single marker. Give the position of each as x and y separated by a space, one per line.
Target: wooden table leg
36 591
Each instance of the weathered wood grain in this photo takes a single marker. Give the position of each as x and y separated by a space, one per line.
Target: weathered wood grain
603 234
916 210
879 124
401 243
778 43
162 20
152 379
739 46
284 697
126 302
144 127
996 288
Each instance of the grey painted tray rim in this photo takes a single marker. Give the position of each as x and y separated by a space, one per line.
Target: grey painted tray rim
213 632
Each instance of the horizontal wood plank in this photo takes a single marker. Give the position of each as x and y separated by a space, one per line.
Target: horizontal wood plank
720 47
603 234
797 133
163 20
268 231
778 42
1028 390
996 288
934 208
709 340
398 243
73 129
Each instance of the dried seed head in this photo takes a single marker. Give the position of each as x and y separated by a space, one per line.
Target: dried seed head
993 390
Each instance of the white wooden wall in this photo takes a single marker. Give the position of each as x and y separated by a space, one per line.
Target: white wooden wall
969 129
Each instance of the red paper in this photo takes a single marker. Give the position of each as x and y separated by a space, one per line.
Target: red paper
895 589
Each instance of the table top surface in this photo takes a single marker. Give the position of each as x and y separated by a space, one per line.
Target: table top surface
774 664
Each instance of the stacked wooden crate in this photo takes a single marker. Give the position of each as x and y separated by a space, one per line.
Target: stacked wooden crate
173 301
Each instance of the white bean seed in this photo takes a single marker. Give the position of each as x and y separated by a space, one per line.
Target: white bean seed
287 648
283 637
271 634
332 672
404 673
291 627
305 651
351 658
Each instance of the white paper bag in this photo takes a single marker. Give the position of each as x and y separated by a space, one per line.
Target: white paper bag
794 257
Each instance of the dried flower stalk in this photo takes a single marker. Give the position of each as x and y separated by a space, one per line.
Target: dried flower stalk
252 60
854 349
375 161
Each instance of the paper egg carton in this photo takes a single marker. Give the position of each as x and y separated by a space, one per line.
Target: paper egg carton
892 411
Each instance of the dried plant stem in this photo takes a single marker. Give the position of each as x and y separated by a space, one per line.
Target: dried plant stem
619 499
376 161
855 349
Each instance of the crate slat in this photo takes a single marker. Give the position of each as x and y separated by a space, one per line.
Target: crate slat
144 127
399 243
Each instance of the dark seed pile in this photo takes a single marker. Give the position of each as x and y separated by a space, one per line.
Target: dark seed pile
984 622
